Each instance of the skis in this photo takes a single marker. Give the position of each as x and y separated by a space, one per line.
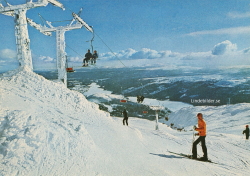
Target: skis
88 65
190 157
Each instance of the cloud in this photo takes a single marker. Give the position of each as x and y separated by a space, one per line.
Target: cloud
222 54
7 54
75 59
8 60
229 31
196 56
131 54
46 59
246 51
224 47
146 53
43 60
126 53
123 54
238 15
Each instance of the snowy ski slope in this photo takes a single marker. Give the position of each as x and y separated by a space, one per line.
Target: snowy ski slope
49 130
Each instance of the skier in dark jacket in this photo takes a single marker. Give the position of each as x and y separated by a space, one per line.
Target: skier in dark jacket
88 56
125 119
246 131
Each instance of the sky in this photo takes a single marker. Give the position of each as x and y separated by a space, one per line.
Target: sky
172 31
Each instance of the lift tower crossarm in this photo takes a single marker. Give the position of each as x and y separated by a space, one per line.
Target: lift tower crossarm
56 3
66 28
30 5
38 27
21 31
83 23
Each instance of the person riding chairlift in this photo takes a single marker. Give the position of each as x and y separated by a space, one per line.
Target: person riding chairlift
94 57
88 56
140 98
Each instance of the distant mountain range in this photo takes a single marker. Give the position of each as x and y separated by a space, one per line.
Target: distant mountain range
197 87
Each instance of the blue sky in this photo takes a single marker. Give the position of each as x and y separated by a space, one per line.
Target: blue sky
138 28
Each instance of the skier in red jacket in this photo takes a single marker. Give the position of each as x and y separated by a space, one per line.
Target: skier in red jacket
202 135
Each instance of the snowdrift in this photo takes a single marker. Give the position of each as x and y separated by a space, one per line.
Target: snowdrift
42 129
47 129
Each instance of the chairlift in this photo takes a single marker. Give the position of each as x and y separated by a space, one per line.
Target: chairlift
68 69
123 101
140 98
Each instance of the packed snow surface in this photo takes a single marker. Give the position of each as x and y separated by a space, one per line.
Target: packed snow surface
49 130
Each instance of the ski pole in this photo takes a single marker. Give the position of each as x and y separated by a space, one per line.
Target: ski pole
192 141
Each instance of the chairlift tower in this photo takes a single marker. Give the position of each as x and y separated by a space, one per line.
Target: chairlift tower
60 42
156 108
21 31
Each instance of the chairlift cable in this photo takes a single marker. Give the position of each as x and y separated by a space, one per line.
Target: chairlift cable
60 21
110 49
122 63
74 51
42 19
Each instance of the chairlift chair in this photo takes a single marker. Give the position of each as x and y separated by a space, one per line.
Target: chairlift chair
124 100
70 69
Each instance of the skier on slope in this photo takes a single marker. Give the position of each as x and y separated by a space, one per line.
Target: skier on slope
125 119
202 135
246 131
